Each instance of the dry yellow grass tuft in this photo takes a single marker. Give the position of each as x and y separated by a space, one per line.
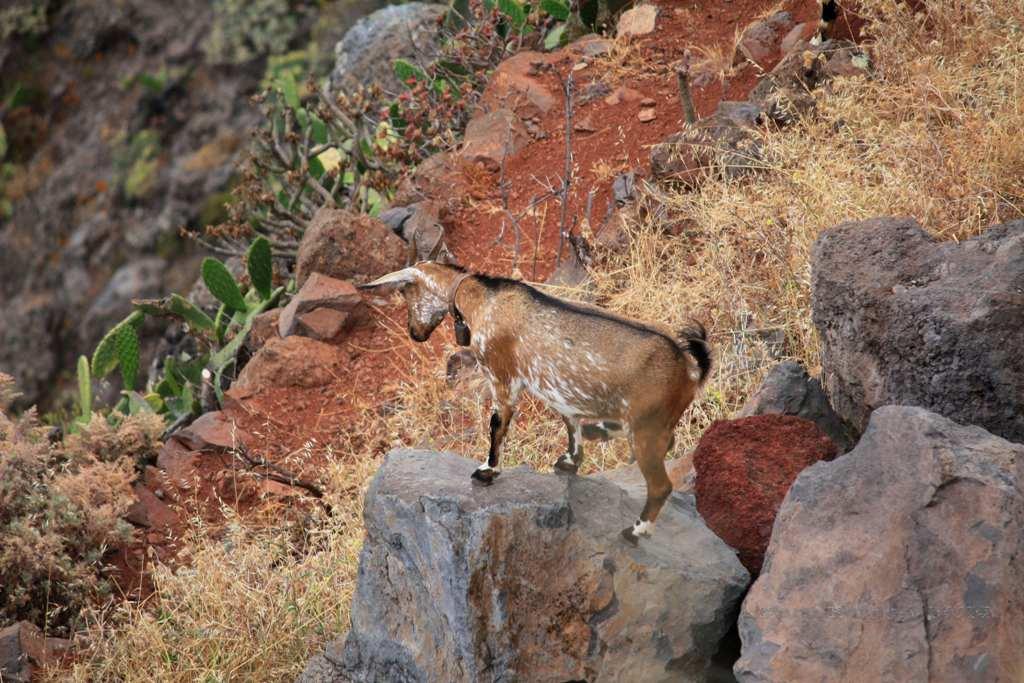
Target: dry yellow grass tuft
934 134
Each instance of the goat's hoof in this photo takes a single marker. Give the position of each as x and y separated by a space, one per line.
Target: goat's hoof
564 465
485 477
631 537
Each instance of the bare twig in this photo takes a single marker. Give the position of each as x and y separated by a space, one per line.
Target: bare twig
683 76
277 473
567 89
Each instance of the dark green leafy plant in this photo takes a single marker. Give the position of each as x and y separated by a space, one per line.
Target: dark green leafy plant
176 394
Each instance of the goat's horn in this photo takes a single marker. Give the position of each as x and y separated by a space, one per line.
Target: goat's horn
399 277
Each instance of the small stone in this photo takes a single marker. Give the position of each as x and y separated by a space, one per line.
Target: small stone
648 102
647 115
638 21
584 125
623 94
579 66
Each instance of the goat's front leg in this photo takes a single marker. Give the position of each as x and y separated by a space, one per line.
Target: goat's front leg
573 457
501 418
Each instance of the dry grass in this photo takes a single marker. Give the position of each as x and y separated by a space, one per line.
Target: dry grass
934 135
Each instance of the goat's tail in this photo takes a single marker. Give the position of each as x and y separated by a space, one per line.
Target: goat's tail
694 340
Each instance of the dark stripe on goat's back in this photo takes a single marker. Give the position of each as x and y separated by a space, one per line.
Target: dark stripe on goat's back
501 283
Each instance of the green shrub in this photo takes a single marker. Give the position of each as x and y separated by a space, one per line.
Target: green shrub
61 510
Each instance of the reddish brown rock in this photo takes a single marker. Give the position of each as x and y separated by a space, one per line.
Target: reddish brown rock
491 137
515 85
178 467
744 469
761 41
348 246
264 326
439 176
324 309
23 648
623 94
150 511
212 430
291 362
797 36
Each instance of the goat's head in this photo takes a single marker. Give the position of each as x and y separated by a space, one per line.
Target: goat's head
426 288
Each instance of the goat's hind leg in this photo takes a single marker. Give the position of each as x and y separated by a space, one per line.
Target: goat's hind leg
573 457
649 448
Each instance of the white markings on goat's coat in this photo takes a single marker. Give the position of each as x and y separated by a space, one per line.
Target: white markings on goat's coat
483 468
642 528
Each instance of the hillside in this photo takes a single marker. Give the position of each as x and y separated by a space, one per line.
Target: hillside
843 215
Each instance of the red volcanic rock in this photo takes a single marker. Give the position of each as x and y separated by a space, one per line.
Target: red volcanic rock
744 469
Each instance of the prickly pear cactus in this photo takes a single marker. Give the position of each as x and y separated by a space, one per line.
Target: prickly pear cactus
261 270
222 285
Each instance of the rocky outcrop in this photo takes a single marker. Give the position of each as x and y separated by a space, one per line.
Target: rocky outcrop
785 93
369 49
761 41
899 561
906 319
744 468
720 143
290 362
492 137
789 390
23 649
347 245
324 309
528 580
516 85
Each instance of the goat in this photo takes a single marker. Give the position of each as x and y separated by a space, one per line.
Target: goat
603 373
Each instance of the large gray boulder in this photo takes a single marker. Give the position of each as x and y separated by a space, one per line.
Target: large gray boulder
900 561
528 580
906 319
367 53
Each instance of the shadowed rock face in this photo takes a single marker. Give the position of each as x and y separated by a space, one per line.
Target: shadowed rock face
905 319
528 580
899 561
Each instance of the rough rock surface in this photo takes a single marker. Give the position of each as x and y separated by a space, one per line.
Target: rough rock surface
789 390
717 143
23 648
348 246
906 319
369 49
324 309
785 93
899 561
744 468
491 137
761 42
290 362
637 21
528 580
110 169
515 85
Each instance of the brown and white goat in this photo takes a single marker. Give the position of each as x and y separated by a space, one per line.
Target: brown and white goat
600 371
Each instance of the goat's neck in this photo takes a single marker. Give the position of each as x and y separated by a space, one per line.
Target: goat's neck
471 299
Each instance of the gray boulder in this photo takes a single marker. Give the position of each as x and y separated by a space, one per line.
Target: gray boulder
789 390
906 319
899 561
369 49
528 580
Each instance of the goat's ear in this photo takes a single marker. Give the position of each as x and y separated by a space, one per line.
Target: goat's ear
396 279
